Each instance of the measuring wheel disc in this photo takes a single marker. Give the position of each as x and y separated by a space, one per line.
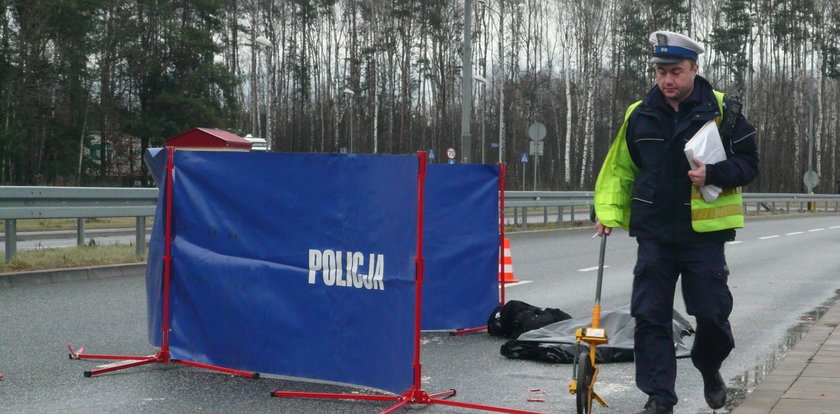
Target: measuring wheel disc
585 373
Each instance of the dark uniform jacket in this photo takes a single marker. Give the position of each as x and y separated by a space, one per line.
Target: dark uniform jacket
656 136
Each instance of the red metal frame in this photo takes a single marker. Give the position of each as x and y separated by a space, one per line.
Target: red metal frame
502 168
415 394
163 356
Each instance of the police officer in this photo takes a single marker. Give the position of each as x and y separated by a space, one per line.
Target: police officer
647 186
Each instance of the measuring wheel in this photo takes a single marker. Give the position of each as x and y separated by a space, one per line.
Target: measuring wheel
585 375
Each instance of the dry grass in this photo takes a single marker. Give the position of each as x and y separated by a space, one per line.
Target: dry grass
71 257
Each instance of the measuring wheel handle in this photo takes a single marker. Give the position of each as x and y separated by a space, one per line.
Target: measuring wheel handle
585 370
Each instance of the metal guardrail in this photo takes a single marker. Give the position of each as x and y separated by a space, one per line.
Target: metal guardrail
18 203
560 207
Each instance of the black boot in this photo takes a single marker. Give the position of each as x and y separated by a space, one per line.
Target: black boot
714 389
654 407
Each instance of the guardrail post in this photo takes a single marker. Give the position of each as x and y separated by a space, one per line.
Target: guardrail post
545 215
525 218
11 240
560 216
80 232
140 236
572 215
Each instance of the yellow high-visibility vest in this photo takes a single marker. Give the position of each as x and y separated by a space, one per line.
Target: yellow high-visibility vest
614 188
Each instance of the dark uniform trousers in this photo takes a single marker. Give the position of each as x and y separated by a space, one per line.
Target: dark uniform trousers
707 298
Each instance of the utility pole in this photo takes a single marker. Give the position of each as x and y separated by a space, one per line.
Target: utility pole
811 179
350 94
501 81
466 84
254 81
811 94
269 103
501 75
483 81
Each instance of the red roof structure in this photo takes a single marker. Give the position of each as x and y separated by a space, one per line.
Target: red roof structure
209 138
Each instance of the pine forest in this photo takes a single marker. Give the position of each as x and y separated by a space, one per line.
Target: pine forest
86 86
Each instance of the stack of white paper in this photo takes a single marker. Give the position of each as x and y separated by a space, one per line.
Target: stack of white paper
706 146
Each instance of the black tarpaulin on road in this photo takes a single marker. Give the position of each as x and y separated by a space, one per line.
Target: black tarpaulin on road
556 342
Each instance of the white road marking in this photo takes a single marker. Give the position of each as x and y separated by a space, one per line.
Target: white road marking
769 237
734 242
589 269
795 233
813 230
521 282
834 227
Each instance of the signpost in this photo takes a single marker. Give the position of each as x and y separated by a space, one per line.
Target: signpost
536 132
811 180
450 155
523 158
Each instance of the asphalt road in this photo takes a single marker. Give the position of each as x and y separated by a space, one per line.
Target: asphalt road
782 270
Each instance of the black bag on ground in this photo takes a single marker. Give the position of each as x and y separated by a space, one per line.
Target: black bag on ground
557 342
516 317
561 353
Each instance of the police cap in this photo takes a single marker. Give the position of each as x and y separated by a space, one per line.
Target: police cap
670 47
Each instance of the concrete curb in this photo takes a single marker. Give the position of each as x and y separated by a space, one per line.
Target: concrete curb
807 380
72 274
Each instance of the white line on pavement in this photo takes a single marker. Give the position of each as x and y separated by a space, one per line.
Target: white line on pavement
589 269
521 282
769 237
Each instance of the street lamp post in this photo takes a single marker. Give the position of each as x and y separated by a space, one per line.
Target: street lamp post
501 75
255 118
350 94
263 41
466 84
501 82
811 179
480 79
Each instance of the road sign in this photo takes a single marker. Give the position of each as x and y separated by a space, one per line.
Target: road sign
536 148
523 158
450 153
431 153
536 131
811 179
